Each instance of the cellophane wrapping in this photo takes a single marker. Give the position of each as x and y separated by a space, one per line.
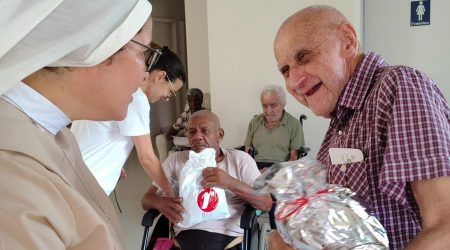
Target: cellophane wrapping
312 214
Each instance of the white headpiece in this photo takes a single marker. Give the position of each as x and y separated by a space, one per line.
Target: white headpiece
75 33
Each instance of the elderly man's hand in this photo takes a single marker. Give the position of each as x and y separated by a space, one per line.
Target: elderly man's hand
275 242
171 208
216 177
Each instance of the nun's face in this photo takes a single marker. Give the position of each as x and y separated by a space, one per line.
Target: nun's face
159 88
108 87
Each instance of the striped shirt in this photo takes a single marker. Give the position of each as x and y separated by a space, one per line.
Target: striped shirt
400 120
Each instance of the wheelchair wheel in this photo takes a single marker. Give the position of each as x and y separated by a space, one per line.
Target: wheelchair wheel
254 243
265 230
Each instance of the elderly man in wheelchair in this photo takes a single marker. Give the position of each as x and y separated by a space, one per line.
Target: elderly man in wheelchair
235 172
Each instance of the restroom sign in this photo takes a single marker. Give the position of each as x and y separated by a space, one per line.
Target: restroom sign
420 12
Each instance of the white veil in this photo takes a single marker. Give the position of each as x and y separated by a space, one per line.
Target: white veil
77 33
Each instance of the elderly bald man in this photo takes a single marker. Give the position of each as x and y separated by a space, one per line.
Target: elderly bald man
374 108
234 172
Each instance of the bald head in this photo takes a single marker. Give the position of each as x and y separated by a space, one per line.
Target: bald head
321 15
205 115
315 22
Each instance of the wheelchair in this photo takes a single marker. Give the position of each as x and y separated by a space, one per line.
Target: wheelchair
151 215
147 221
249 222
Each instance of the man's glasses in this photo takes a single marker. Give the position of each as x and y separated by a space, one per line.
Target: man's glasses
172 94
151 55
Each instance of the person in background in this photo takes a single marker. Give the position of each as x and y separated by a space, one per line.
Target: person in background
235 172
61 61
275 135
194 98
106 145
166 143
395 116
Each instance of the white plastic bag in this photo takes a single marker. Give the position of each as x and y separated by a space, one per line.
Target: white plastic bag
201 204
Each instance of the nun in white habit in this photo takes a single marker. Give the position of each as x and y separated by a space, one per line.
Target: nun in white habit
62 60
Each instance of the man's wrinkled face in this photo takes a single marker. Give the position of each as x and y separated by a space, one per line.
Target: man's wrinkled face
312 66
272 107
203 133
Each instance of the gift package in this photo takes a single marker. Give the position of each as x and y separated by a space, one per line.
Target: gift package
201 204
312 214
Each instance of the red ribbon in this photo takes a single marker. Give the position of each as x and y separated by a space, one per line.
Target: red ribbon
298 204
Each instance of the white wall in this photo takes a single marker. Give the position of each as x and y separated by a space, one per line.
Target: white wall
427 48
197 44
239 44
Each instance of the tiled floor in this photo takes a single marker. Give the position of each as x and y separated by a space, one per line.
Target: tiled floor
129 193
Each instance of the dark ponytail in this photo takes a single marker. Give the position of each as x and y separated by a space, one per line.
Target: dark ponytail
170 63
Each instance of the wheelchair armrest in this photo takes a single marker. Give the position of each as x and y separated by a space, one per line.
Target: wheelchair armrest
248 217
149 217
251 151
303 151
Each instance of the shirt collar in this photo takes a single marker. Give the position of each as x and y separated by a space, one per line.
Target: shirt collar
284 118
355 92
37 107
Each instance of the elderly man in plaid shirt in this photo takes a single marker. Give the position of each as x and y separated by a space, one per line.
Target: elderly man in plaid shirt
394 115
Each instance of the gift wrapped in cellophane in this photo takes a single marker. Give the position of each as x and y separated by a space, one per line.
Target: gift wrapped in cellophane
312 214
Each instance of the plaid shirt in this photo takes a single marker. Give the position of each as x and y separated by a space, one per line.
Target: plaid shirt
400 120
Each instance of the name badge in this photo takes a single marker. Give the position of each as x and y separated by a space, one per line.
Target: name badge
345 155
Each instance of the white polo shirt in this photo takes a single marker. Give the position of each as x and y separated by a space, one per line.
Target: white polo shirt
106 145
